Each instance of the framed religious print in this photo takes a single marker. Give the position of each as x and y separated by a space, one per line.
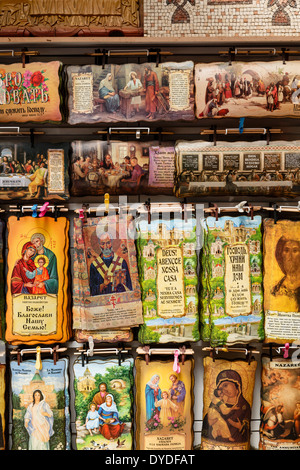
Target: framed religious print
2 394
237 168
40 405
247 89
104 404
2 282
281 280
164 405
280 404
35 18
106 290
168 263
30 93
227 402
129 168
232 283
39 172
131 92
37 297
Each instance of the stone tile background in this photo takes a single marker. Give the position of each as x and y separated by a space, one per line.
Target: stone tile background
226 18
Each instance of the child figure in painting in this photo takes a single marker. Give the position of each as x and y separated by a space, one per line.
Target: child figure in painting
219 425
39 275
92 420
166 408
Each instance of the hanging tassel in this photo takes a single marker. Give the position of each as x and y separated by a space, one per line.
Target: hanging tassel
176 366
38 362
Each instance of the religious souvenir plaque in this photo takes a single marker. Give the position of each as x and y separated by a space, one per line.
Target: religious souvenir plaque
40 405
39 172
131 92
221 20
168 263
164 405
106 290
100 167
280 404
30 93
247 89
2 284
232 290
79 18
237 169
281 256
227 402
104 403
2 394
37 281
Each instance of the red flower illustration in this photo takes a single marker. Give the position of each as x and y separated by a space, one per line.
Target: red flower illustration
37 78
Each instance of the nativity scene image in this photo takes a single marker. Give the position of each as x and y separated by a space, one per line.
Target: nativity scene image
26 172
103 405
116 167
131 92
241 89
76 18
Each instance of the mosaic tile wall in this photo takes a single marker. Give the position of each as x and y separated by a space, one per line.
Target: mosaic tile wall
228 18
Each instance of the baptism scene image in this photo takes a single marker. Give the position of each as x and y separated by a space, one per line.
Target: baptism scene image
38 172
103 405
131 92
39 401
247 89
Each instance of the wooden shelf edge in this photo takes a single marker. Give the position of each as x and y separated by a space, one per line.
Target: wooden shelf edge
97 41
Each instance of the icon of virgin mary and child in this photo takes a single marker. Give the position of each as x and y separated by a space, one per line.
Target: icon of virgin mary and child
229 413
36 271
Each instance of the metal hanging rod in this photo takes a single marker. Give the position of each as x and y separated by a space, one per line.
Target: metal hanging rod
240 207
29 208
225 349
129 52
283 208
33 351
246 130
13 53
116 351
272 51
162 351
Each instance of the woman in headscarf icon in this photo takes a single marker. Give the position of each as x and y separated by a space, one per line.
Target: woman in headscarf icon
108 94
230 421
